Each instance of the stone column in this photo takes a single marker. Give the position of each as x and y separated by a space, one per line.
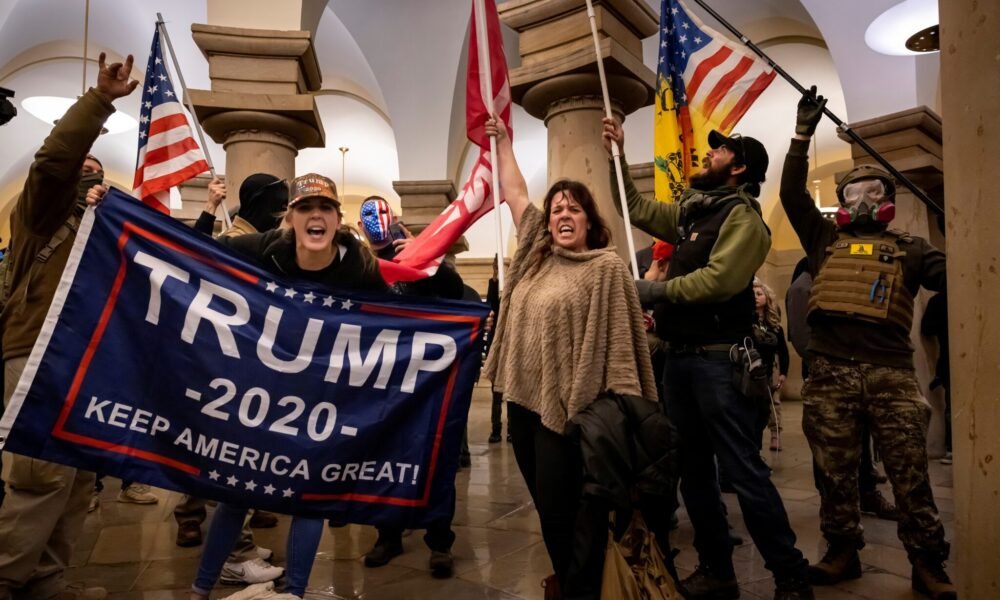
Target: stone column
911 141
422 201
558 82
259 107
970 83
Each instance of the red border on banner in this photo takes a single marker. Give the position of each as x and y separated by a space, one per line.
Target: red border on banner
129 229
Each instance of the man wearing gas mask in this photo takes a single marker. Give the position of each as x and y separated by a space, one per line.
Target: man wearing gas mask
861 312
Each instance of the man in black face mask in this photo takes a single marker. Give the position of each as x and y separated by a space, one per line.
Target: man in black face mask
860 313
46 503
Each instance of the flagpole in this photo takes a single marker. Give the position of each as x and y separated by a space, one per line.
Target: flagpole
162 26
483 45
615 151
919 193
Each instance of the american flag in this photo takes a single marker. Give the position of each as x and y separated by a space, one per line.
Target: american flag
704 82
168 154
376 217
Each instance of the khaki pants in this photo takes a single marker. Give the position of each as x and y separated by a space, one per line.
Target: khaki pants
41 517
192 510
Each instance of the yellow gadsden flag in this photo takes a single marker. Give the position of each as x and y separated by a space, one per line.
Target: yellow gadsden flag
704 82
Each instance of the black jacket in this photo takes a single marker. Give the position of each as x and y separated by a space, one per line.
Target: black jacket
627 444
274 251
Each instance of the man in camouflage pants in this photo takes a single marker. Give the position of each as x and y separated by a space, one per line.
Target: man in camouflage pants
861 313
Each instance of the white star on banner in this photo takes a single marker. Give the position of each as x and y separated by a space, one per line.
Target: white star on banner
158 61
269 489
144 119
142 135
697 39
663 44
272 286
148 104
308 298
163 77
328 301
673 10
152 89
290 292
213 475
287 493
683 38
661 60
685 25
168 94
346 305
251 485
231 480
684 54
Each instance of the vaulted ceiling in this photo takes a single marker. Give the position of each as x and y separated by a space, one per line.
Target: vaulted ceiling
393 82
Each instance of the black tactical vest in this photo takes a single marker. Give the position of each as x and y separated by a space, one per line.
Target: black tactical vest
705 323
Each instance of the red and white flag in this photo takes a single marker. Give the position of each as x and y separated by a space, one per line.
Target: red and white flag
423 255
168 154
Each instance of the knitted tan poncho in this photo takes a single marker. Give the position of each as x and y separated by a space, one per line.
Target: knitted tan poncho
570 327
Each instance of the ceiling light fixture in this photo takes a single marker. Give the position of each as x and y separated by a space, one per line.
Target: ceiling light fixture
52 108
906 29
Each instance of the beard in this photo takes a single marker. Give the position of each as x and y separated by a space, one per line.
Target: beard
711 177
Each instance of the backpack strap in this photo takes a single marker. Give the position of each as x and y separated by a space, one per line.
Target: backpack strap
71 225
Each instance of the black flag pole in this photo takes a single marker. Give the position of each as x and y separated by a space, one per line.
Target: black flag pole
844 127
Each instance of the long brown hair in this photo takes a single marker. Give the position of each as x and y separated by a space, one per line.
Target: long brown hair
598 234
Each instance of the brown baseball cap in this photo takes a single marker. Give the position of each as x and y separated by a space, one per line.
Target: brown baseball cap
312 185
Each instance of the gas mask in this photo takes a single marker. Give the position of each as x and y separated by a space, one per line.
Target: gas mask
865 203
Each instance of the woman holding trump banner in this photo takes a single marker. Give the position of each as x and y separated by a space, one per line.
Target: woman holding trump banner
312 246
570 328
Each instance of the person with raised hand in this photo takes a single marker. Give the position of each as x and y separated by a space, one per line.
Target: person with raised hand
46 503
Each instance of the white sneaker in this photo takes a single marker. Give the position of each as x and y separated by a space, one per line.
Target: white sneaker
265 554
252 571
137 493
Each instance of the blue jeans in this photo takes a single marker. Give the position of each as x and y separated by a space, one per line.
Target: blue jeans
303 539
715 421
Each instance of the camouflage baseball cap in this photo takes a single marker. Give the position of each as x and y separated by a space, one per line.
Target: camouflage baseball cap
312 185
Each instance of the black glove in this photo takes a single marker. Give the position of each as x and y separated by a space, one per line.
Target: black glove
810 112
651 292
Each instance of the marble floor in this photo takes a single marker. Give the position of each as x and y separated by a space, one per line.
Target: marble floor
499 554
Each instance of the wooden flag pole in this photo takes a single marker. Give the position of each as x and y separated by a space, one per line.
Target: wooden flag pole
483 45
615 151
162 26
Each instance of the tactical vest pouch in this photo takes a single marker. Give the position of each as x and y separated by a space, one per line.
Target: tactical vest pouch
863 278
748 372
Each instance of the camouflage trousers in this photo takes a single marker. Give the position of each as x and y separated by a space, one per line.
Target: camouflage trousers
836 398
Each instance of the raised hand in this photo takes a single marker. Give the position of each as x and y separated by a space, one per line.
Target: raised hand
613 134
96 194
810 112
216 194
496 127
113 80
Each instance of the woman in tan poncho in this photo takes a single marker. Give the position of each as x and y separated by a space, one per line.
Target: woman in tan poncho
570 328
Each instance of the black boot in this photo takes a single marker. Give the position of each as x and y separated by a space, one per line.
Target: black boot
703 584
383 552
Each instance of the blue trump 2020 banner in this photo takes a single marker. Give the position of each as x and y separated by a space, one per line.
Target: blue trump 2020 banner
169 360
